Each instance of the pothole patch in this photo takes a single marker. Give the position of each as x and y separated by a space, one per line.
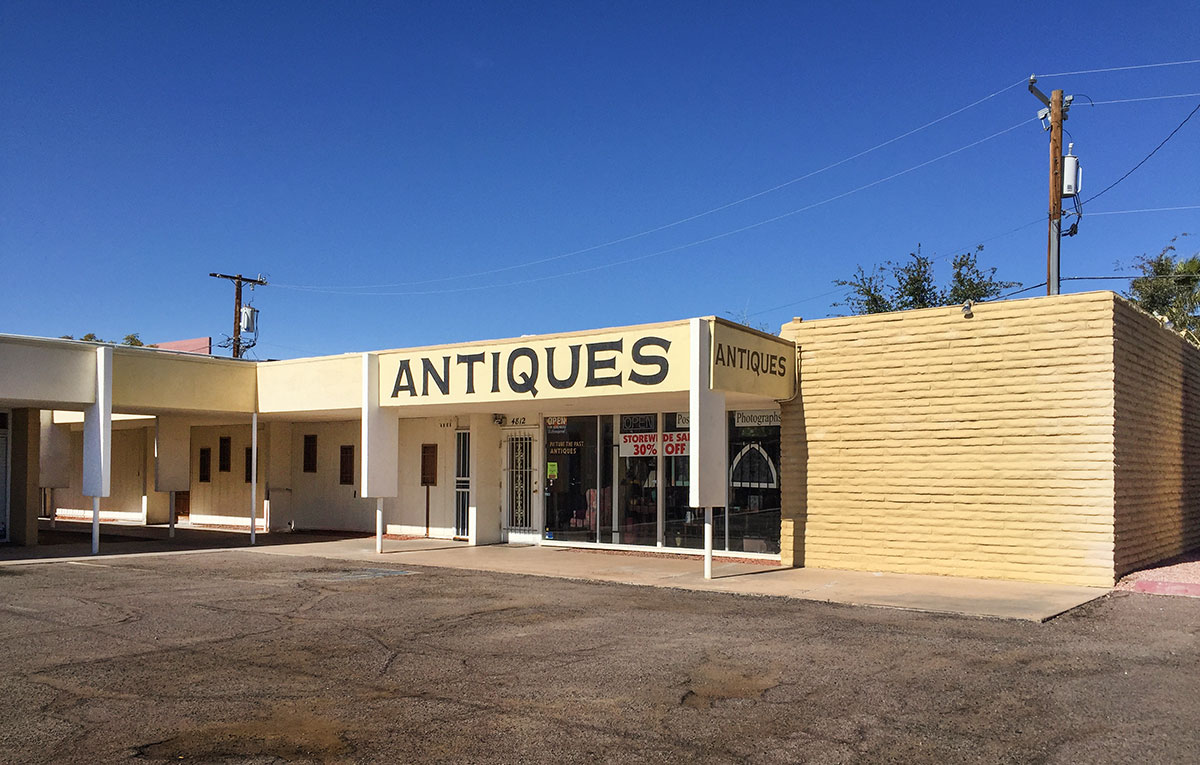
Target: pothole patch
718 680
287 736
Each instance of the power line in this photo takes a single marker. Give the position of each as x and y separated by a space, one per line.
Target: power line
681 221
1145 98
669 250
1148 156
1131 277
1023 289
354 289
1123 68
956 250
1103 278
755 195
1146 210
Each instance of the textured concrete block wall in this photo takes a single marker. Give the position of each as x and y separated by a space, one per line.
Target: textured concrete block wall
930 443
1157 441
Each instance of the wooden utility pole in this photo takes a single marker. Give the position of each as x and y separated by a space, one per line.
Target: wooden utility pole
1056 191
237 307
1054 114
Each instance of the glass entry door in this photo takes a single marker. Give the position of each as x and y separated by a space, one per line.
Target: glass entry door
520 487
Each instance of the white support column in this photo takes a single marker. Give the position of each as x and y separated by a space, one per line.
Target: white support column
172 461
708 537
380 445
707 434
97 441
379 524
95 525
253 474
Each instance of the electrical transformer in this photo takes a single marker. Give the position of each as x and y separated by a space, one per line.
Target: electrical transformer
1072 173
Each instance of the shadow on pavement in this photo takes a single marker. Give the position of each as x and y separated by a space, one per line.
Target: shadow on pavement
73 539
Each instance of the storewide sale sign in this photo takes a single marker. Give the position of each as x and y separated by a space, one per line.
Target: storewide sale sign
648 444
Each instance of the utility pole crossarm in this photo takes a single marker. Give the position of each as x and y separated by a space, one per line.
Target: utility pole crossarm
238 280
1036 92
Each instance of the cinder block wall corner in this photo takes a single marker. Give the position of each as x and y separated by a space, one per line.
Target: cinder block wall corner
929 442
1157 459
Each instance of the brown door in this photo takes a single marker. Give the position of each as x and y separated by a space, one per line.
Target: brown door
183 504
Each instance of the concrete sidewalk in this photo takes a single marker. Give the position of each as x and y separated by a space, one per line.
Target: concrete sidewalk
937 594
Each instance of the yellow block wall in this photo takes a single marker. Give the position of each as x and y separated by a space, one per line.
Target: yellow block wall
925 442
1157 441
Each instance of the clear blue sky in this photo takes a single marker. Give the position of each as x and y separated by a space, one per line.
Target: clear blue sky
145 144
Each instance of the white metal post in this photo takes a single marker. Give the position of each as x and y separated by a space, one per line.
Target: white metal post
725 512
660 477
708 536
379 524
599 474
253 474
95 525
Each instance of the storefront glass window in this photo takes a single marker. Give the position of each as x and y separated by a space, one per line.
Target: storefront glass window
684 526
751 523
637 497
571 486
584 457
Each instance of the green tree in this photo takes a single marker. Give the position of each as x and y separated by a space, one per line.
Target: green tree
1169 287
867 292
914 284
900 286
969 282
134 339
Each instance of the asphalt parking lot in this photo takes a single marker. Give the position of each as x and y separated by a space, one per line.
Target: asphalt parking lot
248 657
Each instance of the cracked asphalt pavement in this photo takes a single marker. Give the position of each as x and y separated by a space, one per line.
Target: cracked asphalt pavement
245 657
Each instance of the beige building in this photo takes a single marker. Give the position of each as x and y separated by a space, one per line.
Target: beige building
1048 439
583 438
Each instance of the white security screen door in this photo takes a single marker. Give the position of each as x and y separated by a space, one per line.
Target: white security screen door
520 487
462 484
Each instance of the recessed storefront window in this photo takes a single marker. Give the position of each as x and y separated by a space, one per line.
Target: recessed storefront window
646 458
